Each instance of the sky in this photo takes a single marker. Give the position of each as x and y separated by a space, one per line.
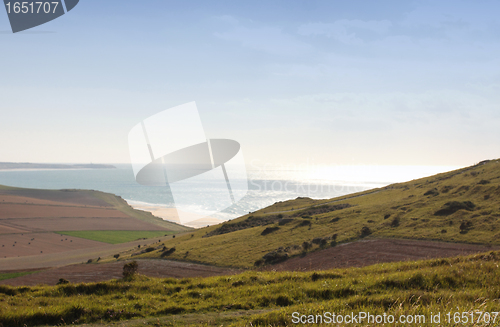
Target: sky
294 82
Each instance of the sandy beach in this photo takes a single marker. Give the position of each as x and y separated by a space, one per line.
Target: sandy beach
193 220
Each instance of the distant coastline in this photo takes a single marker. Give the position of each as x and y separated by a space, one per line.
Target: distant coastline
40 166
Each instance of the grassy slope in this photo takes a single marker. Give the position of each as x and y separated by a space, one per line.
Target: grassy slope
118 203
115 236
439 285
123 206
405 201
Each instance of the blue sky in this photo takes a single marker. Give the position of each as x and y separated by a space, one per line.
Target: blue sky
329 82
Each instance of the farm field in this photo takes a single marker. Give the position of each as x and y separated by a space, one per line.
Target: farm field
31 244
4 276
30 220
100 272
355 254
115 236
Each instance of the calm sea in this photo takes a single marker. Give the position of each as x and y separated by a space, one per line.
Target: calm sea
266 186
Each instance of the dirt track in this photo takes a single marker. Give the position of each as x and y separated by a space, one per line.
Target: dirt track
356 254
369 252
102 272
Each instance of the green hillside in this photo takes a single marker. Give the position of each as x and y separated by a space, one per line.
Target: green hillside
457 206
411 289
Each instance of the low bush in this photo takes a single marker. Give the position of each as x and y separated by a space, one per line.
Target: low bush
365 231
433 192
269 230
130 269
453 206
62 281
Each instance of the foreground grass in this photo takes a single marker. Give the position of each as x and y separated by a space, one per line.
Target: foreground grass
462 284
16 274
114 236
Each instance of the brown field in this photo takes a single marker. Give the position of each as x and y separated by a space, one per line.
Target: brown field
25 210
102 272
82 198
356 254
29 218
4 229
83 223
70 257
6 198
28 244
369 252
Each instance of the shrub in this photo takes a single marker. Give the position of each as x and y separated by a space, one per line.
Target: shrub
283 301
284 221
168 252
446 189
116 256
465 226
432 192
275 257
269 230
395 222
62 281
130 269
365 231
304 223
484 181
454 206
259 262
387 216
306 246
317 240
150 249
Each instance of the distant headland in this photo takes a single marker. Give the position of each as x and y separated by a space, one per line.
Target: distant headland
27 165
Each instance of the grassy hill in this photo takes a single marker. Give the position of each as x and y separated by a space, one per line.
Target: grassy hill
91 198
447 286
457 206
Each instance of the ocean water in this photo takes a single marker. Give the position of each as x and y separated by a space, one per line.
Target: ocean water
265 186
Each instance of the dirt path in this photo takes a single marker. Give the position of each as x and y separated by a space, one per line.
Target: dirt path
355 254
101 272
369 252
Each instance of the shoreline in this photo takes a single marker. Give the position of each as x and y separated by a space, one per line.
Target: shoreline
170 214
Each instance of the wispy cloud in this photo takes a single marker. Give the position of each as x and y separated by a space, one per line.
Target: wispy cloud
269 39
346 31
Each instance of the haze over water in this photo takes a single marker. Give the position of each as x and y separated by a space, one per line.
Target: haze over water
267 184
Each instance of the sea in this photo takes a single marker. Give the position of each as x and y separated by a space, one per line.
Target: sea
266 185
